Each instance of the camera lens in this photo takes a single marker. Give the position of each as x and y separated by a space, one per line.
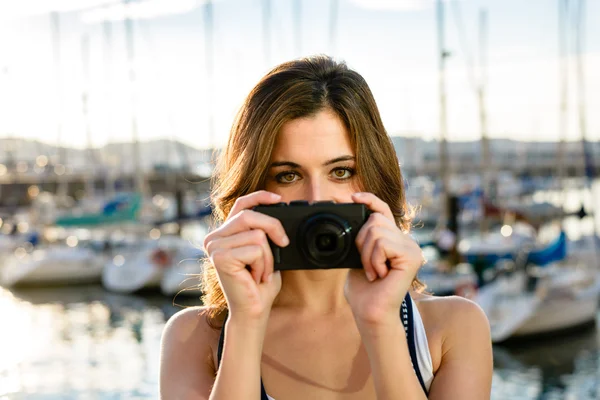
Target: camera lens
326 242
325 239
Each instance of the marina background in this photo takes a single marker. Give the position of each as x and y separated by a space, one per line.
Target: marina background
113 111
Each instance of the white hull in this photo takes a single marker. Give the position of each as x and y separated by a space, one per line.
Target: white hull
567 299
559 314
52 266
136 273
137 270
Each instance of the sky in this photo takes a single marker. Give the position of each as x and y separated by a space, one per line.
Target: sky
54 51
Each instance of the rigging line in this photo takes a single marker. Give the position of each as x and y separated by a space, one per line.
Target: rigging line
266 27
180 149
471 75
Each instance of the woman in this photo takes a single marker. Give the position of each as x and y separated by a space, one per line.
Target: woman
310 130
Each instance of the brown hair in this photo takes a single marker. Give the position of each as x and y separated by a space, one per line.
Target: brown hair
297 89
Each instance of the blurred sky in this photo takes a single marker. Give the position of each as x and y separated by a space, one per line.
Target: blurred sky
392 43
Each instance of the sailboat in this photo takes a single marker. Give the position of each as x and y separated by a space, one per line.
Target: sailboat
558 297
164 264
550 290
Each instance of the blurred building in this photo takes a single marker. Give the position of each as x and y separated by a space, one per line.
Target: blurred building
420 157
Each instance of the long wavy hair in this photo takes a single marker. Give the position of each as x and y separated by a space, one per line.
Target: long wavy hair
297 89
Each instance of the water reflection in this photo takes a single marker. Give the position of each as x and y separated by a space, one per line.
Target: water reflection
85 343
80 342
565 367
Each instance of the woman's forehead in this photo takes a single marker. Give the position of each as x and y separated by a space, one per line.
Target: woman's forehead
323 135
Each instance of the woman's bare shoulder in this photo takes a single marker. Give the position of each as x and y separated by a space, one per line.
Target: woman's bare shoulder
458 331
188 347
451 311
192 328
190 319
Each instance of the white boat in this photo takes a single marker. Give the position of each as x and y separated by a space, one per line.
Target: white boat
563 297
499 244
441 281
144 265
52 265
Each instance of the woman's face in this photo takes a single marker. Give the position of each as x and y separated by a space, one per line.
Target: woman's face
313 160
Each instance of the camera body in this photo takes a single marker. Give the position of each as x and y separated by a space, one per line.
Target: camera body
321 234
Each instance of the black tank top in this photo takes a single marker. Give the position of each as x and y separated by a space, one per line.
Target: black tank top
406 314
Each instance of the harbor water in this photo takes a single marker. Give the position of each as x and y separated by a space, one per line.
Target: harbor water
84 343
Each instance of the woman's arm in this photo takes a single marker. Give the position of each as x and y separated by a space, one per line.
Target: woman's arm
187 364
391 367
240 253
239 373
466 366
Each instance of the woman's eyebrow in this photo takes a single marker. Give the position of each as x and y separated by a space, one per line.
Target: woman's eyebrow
338 159
295 165
284 164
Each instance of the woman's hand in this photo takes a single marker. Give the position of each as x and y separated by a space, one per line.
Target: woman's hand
390 260
240 252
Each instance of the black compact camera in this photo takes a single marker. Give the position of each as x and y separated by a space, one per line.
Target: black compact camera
321 234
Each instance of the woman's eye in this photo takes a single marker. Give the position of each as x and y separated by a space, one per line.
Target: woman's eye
287 177
342 173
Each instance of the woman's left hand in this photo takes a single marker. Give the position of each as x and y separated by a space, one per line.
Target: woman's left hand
390 259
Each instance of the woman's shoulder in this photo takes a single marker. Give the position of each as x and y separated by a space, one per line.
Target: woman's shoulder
187 356
196 317
453 312
457 329
192 329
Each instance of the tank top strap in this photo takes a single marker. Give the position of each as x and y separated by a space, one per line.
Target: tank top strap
406 311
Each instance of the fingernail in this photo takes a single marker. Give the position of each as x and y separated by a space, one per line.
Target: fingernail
285 241
370 276
358 194
275 196
269 278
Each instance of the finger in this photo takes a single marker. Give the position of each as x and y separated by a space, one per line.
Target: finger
365 248
379 257
374 203
255 261
253 199
365 257
247 238
374 220
248 219
239 258
373 242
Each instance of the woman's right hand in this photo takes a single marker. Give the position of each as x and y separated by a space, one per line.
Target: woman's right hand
240 252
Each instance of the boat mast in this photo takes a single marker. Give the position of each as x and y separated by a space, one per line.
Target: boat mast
91 174
564 87
587 157
298 26
209 58
486 159
443 163
139 181
62 184
267 31
109 182
333 22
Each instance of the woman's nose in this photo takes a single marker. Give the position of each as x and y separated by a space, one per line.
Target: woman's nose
315 191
